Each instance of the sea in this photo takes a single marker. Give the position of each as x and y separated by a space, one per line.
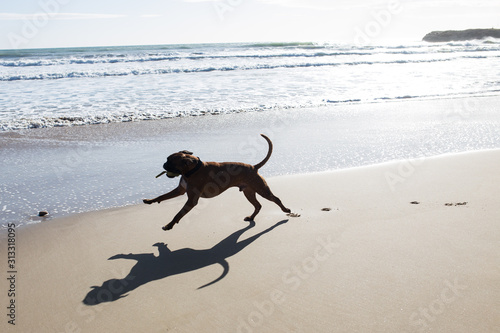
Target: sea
88 128
92 85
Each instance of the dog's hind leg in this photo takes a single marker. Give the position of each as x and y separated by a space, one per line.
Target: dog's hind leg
266 193
250 195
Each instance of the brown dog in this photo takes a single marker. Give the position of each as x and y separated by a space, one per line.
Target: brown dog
209 179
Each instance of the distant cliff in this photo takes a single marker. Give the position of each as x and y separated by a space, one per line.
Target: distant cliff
461 35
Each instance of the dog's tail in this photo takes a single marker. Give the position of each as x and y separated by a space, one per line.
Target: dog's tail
261 164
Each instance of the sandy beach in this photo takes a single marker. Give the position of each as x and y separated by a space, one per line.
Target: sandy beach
406 246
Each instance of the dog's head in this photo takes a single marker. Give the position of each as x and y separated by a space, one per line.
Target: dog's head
180 163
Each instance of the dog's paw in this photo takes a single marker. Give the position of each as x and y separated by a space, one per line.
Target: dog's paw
148 201
293 215
168 226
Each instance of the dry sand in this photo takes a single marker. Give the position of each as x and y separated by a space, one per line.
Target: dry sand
374 262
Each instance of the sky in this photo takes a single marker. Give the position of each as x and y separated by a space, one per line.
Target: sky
74 23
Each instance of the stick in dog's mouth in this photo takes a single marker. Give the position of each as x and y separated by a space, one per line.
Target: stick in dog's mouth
169 174
161 174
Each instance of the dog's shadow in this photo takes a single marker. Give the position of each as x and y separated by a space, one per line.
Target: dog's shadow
150 267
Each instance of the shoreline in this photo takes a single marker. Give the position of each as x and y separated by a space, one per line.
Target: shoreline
70 170
376 261
407 167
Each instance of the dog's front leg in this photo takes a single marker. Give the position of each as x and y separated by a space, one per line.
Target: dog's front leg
191 202
172 194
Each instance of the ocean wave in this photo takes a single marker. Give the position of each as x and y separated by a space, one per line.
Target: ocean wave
90 60
490 92
127 72
284 44
245 51
86 60
121 117
118 117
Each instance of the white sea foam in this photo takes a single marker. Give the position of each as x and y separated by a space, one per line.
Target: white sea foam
78 86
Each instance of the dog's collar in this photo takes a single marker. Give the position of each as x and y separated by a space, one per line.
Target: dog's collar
196 168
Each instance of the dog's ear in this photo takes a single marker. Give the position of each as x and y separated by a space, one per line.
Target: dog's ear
187 161
187 152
